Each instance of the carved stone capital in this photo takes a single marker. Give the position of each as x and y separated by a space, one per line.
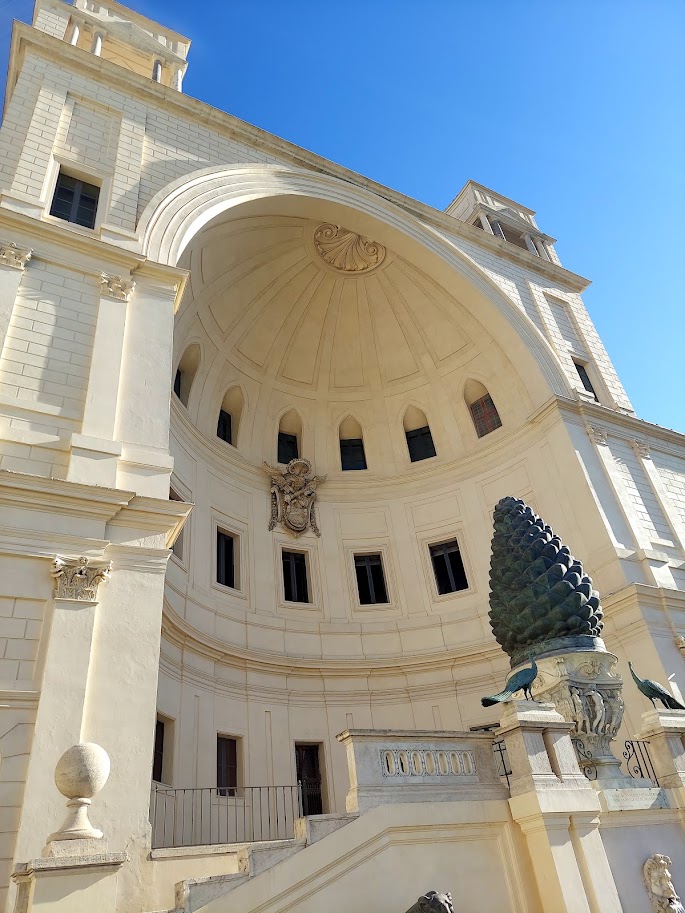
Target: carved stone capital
76 578
347 251
641 448
11 255
598 434
680 643
116 287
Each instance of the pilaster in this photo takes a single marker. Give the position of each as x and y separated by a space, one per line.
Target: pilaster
13 262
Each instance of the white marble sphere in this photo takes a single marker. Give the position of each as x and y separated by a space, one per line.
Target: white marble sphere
82 771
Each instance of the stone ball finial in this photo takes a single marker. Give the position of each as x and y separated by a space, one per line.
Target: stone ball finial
80 774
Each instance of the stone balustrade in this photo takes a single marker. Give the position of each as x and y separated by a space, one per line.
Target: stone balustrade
387 766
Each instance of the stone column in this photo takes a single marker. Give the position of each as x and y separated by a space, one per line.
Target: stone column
557 811
13 262
94 452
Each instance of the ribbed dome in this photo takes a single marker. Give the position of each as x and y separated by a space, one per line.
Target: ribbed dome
312 305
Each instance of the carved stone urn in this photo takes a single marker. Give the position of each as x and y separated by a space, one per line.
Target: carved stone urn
80 774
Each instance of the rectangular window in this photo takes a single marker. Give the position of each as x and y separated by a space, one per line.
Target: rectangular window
223 428
295 577
225 558
448 567
352 454
177 547
178 378
370 579
287 447
585 378
485 415
226 766
158 756
420 444
75 201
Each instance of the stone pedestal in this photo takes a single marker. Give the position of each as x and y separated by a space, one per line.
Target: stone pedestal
585 688
665 732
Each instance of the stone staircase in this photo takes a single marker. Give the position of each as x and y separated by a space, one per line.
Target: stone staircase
245 861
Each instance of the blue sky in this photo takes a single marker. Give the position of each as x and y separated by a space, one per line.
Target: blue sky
575 109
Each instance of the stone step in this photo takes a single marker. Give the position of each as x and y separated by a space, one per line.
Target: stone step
194 893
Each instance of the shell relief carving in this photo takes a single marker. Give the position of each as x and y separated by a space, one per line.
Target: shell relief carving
347 251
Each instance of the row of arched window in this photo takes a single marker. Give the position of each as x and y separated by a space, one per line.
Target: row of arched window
417 431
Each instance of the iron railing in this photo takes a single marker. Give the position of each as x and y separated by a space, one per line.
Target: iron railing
638 762
211 815
499 749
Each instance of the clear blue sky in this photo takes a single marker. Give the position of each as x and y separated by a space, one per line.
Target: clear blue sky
576 109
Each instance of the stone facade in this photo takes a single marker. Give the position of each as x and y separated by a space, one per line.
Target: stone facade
226 270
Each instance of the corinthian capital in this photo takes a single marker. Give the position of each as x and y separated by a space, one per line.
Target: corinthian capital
116 287
11 255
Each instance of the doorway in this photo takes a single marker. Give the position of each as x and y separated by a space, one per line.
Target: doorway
308 772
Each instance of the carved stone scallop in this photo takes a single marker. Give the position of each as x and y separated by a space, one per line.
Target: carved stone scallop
347 251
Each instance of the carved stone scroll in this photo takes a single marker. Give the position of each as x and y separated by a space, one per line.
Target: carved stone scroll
346 250
116 287
11 255
77 578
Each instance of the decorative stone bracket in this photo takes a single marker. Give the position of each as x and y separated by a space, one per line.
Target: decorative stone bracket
76 578
116 287
13 256
659 884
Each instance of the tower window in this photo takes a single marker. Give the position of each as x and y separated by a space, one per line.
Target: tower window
448 567
177 547
178 380
75 201
225 559
420 444
223 428
158 756
287 447
352 454
295 577
226 766
370 579
585 378
485 415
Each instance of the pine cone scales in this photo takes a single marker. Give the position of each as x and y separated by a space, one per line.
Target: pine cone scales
538 591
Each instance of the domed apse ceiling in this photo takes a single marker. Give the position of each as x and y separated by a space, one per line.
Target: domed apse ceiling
317 307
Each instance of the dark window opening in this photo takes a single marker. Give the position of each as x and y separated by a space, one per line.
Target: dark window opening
308 772
287 447
513 236
370 579
585 379
225 559
223 428
177 382
158 756
177 547
226 766
485 415
352 454
75 201
448 567
420 444
295 577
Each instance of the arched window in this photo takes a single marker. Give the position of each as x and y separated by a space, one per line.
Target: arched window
289 437
157 71
185 373
419 438
483 410
352 454
229 416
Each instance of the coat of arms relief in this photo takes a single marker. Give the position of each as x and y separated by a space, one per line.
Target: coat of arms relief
293 496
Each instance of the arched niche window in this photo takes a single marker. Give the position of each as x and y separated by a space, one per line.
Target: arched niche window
482 408
352 454
157 71
419 438
289 437
229 416
185 373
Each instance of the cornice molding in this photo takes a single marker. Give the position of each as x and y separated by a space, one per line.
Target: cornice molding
41 493
198 111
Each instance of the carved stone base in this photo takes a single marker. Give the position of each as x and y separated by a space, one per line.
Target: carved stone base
586 690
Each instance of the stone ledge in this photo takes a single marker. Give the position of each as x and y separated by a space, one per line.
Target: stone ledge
54 864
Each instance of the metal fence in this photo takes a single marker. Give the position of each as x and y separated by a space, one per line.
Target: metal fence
637 760
210 815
